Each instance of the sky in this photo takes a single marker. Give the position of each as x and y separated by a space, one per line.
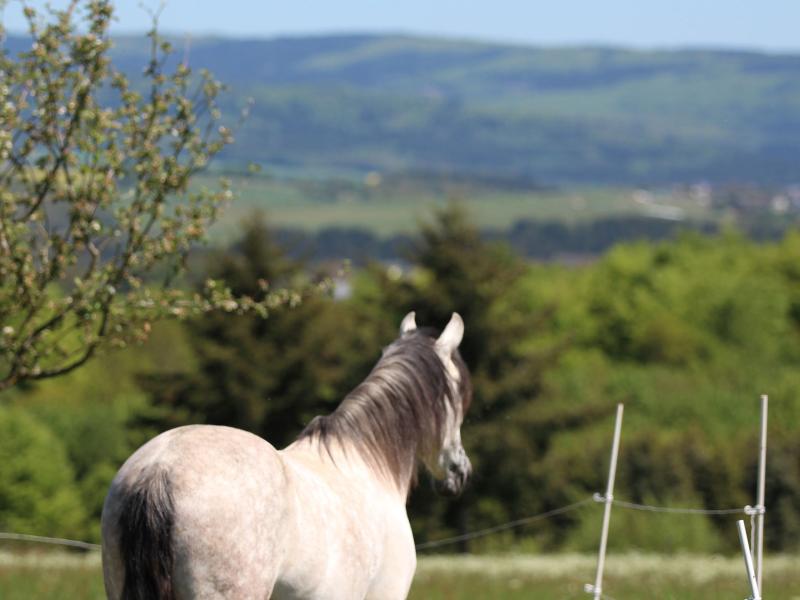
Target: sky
770 25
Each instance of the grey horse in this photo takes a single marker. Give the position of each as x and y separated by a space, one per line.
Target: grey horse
207 512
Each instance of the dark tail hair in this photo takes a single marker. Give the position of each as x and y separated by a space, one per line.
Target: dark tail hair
145 526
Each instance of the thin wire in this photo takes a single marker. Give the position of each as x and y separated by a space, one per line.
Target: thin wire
677 511
510 525
24 537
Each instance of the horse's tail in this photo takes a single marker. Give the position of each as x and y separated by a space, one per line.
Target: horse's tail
145 526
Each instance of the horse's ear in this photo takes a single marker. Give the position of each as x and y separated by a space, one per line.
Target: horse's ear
409 323
452 335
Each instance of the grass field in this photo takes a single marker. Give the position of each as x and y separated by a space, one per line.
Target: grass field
551 577
398 206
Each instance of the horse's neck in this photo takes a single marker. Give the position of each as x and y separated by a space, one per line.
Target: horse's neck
337 462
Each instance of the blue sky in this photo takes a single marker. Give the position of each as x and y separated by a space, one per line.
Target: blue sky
766 24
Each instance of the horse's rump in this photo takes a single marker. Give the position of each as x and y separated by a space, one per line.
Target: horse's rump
199 511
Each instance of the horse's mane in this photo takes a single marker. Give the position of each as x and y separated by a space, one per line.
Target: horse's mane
400 409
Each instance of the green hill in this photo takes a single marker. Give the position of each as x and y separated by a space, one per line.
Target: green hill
552 115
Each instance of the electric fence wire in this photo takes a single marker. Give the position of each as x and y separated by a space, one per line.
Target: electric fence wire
672 510
24 537
510 525
570 507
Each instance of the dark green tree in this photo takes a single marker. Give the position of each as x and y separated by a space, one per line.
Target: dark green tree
266 376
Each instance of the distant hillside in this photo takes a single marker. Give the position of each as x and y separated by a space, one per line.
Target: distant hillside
551 115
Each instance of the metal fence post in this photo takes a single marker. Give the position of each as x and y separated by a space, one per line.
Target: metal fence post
758 543
597 588
748 562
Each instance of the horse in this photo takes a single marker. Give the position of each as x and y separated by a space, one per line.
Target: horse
210 512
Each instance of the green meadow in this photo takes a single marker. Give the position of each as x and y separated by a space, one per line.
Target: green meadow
546 577
393 207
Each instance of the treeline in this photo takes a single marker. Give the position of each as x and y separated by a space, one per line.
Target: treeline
541 240
686 332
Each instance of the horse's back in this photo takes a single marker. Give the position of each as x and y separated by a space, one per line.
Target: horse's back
222 495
